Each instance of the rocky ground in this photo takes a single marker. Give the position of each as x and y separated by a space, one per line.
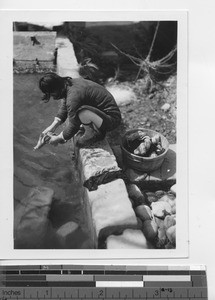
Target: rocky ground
146 107
152 107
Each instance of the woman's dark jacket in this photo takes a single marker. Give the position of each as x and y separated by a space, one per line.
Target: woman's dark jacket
85 92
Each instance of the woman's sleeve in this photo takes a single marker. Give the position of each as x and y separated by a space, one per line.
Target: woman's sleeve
74 102
62 112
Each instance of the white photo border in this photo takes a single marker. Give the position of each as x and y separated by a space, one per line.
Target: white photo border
6 80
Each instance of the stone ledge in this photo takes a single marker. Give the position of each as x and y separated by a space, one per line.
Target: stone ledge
111 210
97 165
67 64
129 239
113 219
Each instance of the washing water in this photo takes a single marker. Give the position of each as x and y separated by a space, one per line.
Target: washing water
49 166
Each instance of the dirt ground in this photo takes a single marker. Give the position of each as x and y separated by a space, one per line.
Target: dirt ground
153 108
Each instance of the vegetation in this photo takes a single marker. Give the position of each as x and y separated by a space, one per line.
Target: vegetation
125 52
139 56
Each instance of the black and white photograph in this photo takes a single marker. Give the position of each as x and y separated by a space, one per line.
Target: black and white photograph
107 147
97 107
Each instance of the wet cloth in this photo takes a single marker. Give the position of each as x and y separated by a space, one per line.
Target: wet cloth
86 94
43 139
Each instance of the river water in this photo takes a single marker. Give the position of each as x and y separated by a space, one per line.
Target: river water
50 166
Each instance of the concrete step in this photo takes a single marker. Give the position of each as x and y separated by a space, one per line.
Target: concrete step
111 210
67 64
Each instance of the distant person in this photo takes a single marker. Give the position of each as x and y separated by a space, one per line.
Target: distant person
83 102
34 41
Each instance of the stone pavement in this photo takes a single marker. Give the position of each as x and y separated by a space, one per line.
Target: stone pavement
31 223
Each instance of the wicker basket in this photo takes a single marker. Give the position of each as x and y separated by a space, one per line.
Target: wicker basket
144 164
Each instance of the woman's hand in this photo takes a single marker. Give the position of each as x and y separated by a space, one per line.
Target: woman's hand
55 140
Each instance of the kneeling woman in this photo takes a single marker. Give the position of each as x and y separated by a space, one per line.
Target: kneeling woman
84 102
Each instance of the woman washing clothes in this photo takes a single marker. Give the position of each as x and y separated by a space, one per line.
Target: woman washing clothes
83 102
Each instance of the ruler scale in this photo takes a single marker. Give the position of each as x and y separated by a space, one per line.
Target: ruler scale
103 282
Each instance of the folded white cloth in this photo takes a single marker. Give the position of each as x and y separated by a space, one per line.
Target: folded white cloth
43 139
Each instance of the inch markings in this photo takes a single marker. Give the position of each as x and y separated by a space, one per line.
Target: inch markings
74 282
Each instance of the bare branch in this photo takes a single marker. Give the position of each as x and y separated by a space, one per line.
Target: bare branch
153 41
167 57
135 60
160 66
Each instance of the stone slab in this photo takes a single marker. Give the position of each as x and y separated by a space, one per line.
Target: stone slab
130 239
67 64
97 165
111 210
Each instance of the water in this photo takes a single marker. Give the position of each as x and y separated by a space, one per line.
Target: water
50 166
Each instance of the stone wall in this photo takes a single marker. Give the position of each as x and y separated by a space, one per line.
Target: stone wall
122 217
34 52
104 192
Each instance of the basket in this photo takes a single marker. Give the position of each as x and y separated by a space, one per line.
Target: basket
139 163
